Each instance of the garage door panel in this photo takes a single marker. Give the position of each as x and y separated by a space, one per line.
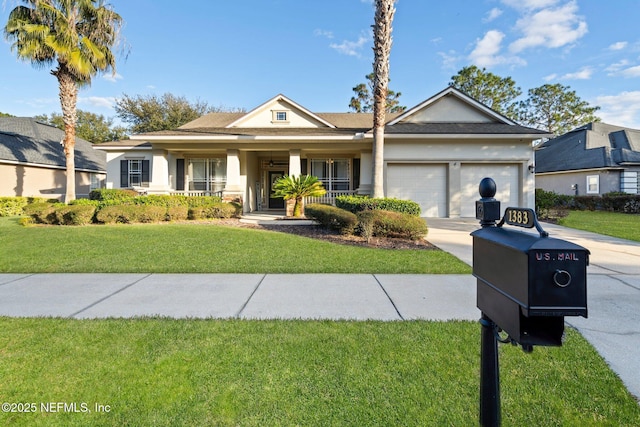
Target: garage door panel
505 176
424 184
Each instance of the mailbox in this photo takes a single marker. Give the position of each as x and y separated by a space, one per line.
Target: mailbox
527 282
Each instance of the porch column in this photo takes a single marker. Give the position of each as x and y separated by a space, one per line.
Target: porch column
233 189
366 165
159 182
294 163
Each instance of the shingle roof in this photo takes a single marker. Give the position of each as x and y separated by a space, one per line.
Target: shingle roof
24 140
592 146
462 128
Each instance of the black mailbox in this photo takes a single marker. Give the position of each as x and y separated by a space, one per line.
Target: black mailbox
527 282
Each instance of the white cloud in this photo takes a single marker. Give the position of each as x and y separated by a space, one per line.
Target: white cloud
323 33
584 73
549 27
487 51
529 4
98 101
111 77
631 71
550 77
618 46
449 60
615 67
492 14
622 109
351 48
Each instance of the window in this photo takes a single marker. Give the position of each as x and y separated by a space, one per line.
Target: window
593 184
95 182
334 173
134 172
280 117
207 174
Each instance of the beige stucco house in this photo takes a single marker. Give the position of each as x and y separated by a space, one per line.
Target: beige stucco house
33 164
435 153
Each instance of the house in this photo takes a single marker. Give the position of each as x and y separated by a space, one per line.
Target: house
33 164
435 153
593 159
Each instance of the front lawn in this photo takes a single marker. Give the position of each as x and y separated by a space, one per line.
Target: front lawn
160 372
624 226
198 248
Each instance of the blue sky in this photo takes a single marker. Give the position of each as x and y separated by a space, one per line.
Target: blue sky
240 53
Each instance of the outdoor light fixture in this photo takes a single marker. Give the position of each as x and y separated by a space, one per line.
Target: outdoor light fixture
271 160
532 168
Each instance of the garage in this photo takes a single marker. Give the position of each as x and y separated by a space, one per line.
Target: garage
505 176
425 184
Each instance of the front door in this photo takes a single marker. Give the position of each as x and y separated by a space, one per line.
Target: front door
275 202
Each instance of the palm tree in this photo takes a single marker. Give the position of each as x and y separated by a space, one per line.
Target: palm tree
297 188
381 49
78 36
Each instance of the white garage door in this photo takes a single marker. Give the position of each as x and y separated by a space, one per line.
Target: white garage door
424 184
505 176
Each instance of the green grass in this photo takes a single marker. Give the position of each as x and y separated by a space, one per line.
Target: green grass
193 248
624 226
270 373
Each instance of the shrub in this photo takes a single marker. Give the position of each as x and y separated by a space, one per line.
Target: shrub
202 201
218 210
42 212
128 214
391 224
177 213
357 204
113 194
332 217
75 214
552 206
12 206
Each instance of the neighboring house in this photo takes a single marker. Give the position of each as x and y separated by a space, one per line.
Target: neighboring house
32 161
435 153
593 159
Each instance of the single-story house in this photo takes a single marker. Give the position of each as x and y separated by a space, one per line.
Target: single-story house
33 164
593 159
435 153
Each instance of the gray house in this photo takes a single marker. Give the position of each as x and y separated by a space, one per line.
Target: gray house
32 161
593 159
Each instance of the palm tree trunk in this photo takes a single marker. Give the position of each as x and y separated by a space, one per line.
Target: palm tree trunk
382 49
68 100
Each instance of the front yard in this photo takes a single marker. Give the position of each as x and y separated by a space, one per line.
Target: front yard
621 225
199 248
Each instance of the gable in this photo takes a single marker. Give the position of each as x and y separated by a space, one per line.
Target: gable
280 112
448 109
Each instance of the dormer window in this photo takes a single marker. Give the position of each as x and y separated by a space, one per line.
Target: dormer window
280 117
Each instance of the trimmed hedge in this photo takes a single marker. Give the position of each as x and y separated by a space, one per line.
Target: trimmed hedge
42 212
217 210
383 223
128 214
12 206
332 217
74 214
549 201
113 194
177 213
357 204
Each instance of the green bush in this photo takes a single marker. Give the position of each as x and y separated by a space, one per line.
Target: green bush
218 210
621 202
357 204
177 213
391 224
551 205
74 214
12 206
85 202
127 214
332 217
113 194
42 212
202 201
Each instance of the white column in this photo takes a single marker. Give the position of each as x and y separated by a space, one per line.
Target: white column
159 180
366 165
233 172
294 163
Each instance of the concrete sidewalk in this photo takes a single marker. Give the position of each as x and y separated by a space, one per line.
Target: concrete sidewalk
243 296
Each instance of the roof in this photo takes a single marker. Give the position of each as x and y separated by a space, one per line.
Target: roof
25 140
592 146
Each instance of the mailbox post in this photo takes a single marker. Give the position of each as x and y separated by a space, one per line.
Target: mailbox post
526 284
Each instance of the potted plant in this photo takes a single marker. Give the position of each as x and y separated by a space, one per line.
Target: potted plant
296 188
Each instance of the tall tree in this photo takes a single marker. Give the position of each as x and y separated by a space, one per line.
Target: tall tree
362 102
167 112
76 35
497 93
555 108
92 127
385 9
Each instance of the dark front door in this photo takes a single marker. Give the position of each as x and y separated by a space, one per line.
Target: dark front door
275 202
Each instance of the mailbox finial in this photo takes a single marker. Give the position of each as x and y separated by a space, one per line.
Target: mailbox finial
487 188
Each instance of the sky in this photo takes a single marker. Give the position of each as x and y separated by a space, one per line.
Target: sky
241 53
